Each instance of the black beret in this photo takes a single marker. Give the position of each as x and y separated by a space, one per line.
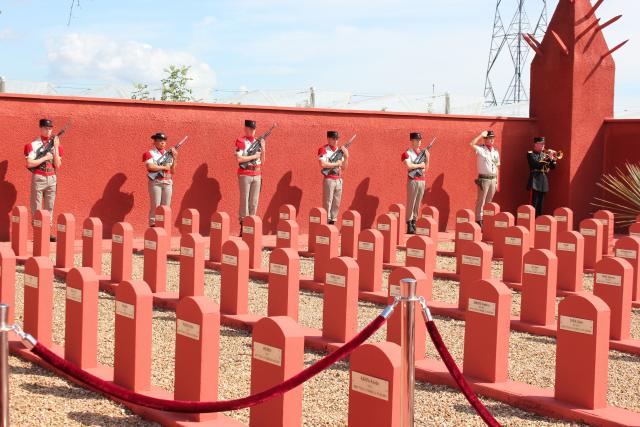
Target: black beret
415 135
250 124
539 139
46 123
333 134
159 136
490 134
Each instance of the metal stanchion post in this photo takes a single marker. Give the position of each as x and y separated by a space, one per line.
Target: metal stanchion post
4 364
407 362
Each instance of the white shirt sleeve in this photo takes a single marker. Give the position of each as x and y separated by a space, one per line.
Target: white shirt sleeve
478 149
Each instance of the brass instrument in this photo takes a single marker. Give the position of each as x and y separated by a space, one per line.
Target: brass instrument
548 156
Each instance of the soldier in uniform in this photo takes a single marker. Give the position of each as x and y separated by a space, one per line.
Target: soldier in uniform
415 185
161 187
250 179
539 166
332 187
43 180
487 162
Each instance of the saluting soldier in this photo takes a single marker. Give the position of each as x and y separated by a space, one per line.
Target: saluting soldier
249 179
160 187
332 186
44 180
487 163
415 184
539 165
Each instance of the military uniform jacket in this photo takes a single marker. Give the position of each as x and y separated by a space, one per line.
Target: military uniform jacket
537 178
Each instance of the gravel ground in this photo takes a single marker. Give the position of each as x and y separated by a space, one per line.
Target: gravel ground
531 358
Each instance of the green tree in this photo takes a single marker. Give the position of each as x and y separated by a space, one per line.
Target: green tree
141 91
175 84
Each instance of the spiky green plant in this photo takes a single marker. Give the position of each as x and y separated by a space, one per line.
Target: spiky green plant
621 194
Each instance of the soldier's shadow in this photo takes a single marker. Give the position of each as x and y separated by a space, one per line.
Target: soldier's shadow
285 194
438 197
8 197
365 204
204 195
114 205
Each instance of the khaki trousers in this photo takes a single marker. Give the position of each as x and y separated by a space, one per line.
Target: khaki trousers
486 191
249 194
331 197
43 189
159 194
415 192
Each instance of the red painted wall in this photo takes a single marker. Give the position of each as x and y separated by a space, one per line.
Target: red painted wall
622 143
103 175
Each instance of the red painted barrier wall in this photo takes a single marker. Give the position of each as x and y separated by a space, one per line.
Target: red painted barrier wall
622 143
103 175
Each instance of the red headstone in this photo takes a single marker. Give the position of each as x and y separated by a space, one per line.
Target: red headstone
546 233
278 354
612 283
539 283
121 252
607 219
81 318
516 244
421 253
375 382
287 234
252 236
430 212
65 237
465 232
399 211
628 248
317 217
564 219
156 245
351 227
234 271
218 235
486 332
591 230
197 352
41 233
38 299
582 351
133 325
191 265
287 212
475 264
526 217
489 211
164 218
388 225
428 227
326 241
340 308
370 260
424 288
502 221
284 283
8 280
190 221
464 216
19 230
570 253
92 244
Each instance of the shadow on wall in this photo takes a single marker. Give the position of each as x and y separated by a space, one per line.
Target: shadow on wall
113 206
8 197
285 194
365 204
204 195
435 195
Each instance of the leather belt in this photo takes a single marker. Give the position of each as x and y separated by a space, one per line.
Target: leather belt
487 176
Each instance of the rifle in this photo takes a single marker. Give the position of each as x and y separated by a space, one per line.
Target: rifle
417 173
256 147
47 148
165 159
338 155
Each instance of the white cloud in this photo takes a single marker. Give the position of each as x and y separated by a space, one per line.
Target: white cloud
98 58
7 34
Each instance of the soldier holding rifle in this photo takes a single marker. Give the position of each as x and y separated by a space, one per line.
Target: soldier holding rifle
161 166
43 159
333 160
417 163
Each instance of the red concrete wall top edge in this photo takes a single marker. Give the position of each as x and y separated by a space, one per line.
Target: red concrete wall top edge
622 120
201 105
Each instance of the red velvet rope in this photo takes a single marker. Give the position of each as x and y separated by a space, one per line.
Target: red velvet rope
457 376
126 395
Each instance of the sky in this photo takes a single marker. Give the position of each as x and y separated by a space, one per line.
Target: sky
360 46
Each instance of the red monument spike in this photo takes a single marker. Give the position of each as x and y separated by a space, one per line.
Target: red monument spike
609 22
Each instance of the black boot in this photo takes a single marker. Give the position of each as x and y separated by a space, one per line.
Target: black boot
410 228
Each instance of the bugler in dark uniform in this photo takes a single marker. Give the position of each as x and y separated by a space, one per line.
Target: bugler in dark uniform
539 165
